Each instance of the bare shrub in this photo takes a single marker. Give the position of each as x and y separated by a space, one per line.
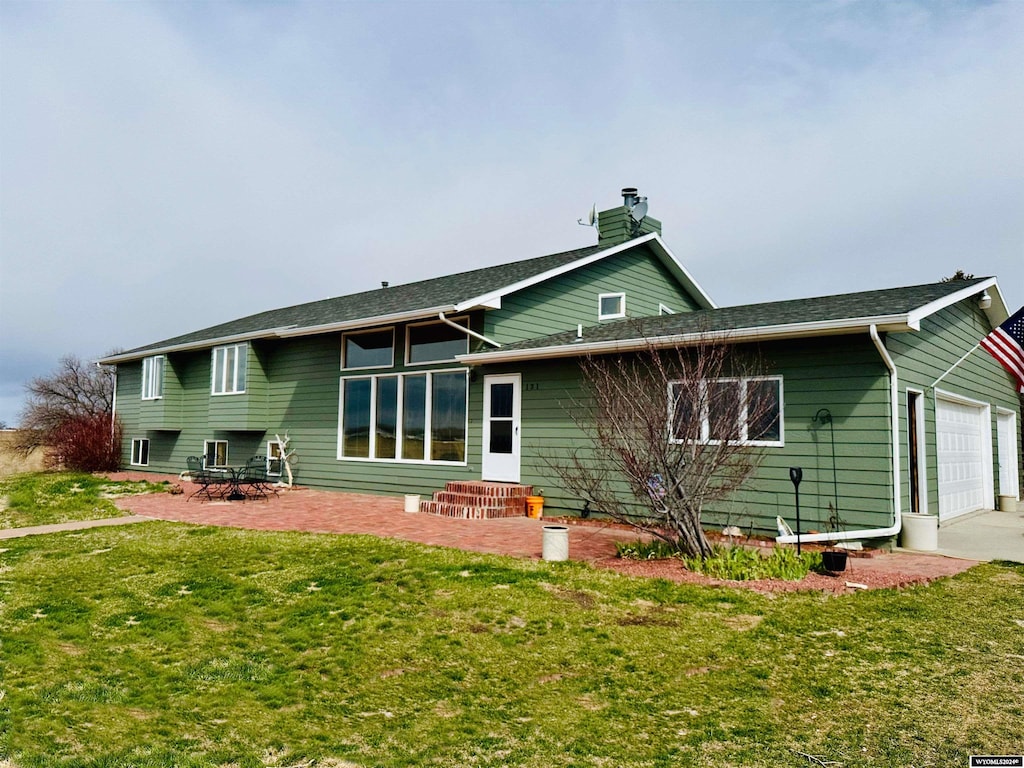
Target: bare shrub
668 432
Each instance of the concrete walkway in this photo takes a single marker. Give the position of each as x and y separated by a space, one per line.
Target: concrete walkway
74 525
985 536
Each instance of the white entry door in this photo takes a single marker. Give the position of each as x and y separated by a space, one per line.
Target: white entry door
962 438
1009 468
501 428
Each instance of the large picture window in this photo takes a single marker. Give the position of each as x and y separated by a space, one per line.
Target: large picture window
741 410
229 365
405 417
371 349
436 342
152 377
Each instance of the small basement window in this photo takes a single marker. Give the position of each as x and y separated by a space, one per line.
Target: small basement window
611 306
140 452
215 453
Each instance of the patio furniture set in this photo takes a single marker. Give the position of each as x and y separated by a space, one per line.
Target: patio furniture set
243 483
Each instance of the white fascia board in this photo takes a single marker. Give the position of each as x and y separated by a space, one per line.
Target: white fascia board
366 322
996 313
283 332
492 300
193 345
683 274
732 336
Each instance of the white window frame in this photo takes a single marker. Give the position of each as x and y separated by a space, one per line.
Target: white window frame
611 315
344 362
705 431
228 384
663 310
153 377
206 452
463 321
136 459
399 414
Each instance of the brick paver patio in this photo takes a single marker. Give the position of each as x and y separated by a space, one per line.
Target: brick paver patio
304 509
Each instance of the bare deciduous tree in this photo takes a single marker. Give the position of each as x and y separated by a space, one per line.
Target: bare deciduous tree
71 413
668 432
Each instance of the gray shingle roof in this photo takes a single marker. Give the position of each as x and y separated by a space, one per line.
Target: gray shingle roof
822 309
398 299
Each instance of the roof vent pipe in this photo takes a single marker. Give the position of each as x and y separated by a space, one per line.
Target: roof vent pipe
383 283
630 196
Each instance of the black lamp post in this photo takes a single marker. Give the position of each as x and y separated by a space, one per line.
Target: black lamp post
796 474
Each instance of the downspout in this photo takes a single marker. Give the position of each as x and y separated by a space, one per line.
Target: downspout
113 408
897 523
466 330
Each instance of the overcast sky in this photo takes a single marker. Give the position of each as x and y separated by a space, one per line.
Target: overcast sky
169 166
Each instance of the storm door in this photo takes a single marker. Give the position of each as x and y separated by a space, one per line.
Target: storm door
501 428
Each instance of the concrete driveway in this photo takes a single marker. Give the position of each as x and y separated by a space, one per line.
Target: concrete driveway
985 536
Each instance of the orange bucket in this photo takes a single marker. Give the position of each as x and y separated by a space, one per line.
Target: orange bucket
535 507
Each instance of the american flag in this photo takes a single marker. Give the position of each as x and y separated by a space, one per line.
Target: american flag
1006 344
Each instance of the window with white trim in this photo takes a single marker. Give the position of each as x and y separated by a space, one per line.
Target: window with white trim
435 342
409 417
153 377
742 410
611 306
229 364
368 349
275 458
140 452
215 453
663 310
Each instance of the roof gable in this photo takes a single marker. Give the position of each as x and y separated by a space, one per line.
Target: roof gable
892 309
426 298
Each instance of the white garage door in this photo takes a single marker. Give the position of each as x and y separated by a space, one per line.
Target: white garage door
960 433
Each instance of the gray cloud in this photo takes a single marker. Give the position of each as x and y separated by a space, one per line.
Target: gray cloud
169 166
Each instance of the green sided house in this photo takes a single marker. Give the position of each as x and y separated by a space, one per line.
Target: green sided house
467 380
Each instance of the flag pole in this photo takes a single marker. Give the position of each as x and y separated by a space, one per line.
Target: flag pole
954 365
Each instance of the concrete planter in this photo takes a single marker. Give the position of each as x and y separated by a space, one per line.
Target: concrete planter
412 502
920 532
1007 504
556 542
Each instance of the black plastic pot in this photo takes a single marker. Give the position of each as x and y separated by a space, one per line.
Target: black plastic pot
833 560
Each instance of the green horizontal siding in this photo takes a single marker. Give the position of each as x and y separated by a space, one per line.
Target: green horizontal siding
816 375
563 302
924 356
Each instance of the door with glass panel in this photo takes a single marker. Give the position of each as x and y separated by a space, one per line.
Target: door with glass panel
501 428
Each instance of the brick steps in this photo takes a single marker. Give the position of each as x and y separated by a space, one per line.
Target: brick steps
478 500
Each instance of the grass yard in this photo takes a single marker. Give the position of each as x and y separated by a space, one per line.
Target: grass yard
171 645
46 498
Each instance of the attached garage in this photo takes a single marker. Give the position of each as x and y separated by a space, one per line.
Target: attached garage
964 449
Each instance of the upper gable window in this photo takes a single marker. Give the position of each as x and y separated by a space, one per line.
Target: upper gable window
663 310
229 364
369 349
436 342
611 306
153 377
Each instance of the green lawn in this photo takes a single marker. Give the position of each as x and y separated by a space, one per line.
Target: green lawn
46 498
171 645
